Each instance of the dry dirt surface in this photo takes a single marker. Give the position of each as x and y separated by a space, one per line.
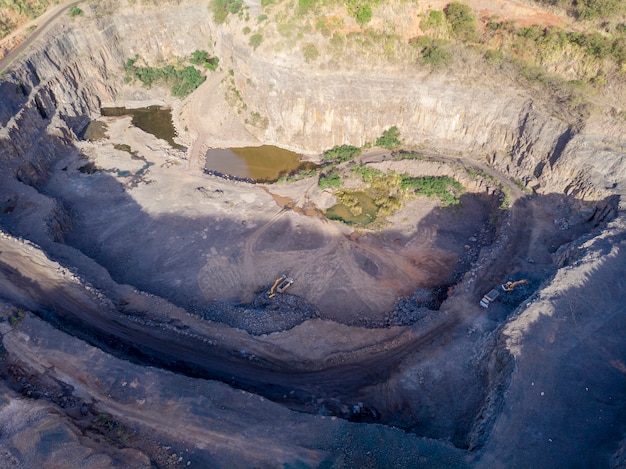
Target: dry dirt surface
136 331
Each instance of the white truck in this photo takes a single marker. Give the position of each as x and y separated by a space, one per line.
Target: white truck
490 297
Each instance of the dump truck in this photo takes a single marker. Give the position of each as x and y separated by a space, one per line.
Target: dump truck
494 293
490 297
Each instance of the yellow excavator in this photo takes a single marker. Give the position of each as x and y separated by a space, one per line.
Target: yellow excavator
510 286
280 285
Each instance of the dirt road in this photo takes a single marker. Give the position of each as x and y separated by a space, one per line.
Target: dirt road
41 24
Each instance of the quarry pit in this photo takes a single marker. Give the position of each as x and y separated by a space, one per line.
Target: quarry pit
138 329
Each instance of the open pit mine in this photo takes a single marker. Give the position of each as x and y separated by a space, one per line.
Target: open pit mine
427 270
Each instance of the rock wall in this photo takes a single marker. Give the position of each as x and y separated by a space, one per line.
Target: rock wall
524 133
62 82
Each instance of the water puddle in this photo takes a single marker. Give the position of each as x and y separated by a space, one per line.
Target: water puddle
266 163
95 130
154 120
355 208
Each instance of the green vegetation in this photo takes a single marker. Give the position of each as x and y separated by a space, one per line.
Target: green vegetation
361 10
16 317
221 9
342 153
305 5
203 59
435 53
353 208
30 8
462 21
257 120
443 188
432 20
6 27
75 11
255 40
233 95
182 81
310 52
330 180
408 155
390 139
589 9
363 14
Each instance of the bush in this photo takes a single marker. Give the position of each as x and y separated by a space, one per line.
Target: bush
462 21
367 174
443 188
390 139
330 180
305 5
182 81
75 11
310 52
436 55
221 9
433 20
255 40
363 14
342 153
202 58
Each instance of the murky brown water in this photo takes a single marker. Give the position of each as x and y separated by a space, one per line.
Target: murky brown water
265 163
152 119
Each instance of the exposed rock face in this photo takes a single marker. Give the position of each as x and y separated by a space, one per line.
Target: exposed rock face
311 108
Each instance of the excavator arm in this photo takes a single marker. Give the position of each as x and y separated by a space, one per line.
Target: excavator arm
510 286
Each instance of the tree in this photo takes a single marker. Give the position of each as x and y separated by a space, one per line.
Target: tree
462 21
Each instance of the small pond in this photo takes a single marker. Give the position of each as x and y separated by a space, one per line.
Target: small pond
357 208
154 120
266 163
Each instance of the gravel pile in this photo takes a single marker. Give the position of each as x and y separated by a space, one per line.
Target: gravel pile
264 315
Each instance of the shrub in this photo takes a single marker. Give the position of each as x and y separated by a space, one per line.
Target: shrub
436 55
342 153
494 56
462 21
330 180
433 20
390 139
363 14
367 174
221 9
255 40
310 52
443 188
305 5
181 80
202 58
75 11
